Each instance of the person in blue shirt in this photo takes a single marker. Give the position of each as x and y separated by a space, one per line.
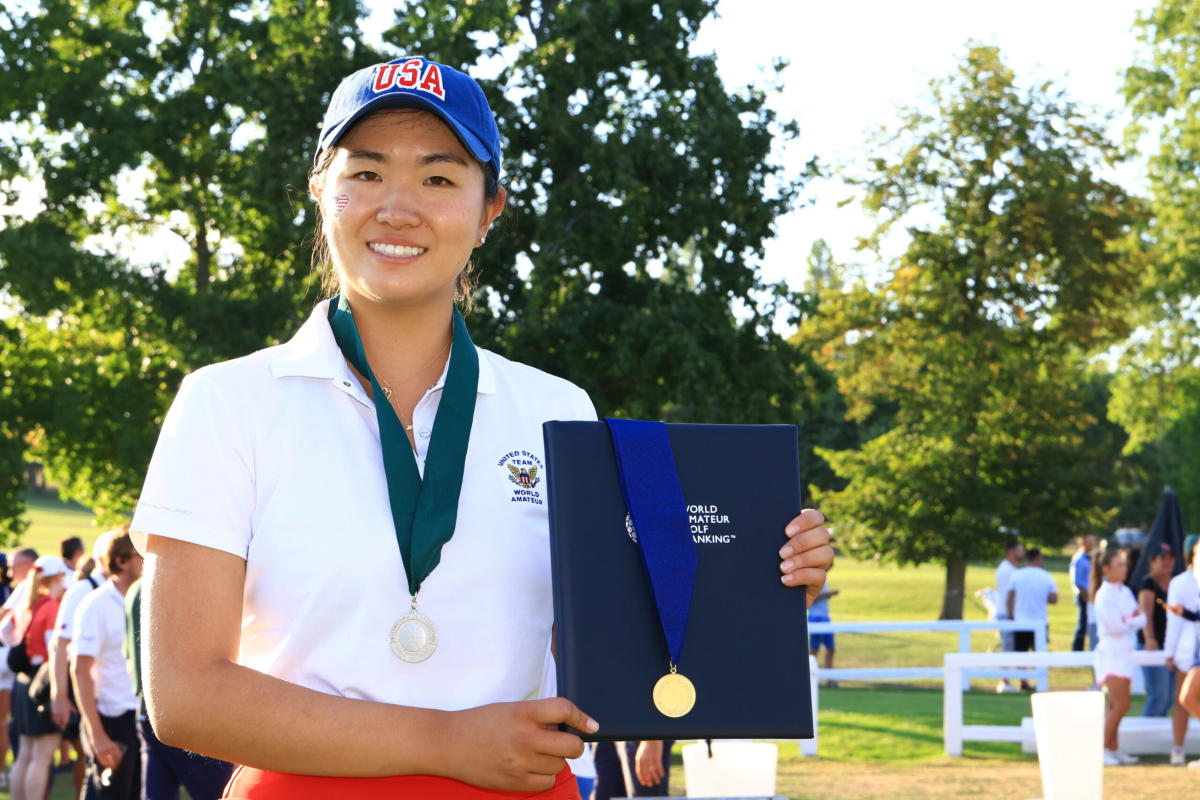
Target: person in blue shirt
1080 569
819 612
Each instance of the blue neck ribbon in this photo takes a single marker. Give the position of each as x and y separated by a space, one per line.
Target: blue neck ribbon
654 497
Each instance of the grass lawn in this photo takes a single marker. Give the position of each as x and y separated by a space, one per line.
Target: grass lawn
52 520
876 741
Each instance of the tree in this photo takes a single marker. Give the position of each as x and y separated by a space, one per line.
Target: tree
978 332
1157 385
641 190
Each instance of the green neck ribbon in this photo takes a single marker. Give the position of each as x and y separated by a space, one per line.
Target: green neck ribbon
424 511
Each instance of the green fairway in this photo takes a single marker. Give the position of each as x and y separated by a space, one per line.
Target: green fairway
52 520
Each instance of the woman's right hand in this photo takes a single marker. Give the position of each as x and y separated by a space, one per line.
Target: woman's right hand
516 746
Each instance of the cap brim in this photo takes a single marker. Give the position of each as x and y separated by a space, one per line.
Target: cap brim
474 145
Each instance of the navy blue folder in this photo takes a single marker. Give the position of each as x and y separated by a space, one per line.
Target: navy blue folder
746 648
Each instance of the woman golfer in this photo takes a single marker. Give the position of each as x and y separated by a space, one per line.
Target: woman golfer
347 581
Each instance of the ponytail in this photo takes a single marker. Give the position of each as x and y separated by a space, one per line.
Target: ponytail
1099 562
85 568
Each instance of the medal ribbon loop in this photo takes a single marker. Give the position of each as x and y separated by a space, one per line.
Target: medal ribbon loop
424 512
654 497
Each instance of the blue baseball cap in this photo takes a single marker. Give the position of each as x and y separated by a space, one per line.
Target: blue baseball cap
415 82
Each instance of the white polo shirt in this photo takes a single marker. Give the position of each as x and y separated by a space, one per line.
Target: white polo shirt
64 623
99 633
1032 587
275 458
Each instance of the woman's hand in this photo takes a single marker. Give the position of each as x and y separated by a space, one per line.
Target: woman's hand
516 746
807 556
61 710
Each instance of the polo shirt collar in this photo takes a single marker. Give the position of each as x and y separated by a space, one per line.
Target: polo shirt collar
314 353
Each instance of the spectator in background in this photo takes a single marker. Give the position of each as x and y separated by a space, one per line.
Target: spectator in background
107 704
22 562
1183 601
1014 554
6 678
1030 592
632 769
89 575
819 612
1080 570
39 737
72 552
1152 593
1117 617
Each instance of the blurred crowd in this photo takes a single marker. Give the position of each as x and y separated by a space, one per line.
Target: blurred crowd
70 680
1117 615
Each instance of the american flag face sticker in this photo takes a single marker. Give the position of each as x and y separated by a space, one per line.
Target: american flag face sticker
340 202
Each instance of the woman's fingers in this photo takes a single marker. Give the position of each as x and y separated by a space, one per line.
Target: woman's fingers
807 556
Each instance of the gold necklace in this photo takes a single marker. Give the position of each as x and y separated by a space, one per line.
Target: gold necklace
387 392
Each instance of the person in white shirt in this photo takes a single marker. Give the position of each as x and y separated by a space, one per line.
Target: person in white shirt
1014 554
1030 592
422 675
21 562
90 575
107 703
1180 645
1118 617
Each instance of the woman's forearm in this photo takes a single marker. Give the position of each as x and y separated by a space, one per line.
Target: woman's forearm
241 715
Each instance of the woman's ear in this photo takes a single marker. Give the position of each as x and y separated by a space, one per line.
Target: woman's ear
314 188
491 211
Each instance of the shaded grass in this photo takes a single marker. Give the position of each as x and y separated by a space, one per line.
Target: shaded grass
51 520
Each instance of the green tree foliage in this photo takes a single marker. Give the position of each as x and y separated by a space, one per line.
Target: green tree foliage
977 332
1156 394
640 190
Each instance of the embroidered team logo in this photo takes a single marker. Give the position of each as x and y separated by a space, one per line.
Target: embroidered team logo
524 477
409 75
524 471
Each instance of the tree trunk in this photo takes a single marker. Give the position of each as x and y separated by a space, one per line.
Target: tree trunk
956 582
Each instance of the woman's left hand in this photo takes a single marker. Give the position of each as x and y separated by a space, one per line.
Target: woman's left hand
807 555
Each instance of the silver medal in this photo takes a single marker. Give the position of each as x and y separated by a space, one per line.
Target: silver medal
413 637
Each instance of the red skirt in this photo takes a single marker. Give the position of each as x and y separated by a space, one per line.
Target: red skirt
248 783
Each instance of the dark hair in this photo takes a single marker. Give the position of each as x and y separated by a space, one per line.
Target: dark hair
1106 557
120 549
27 552
1010 545
1033 555
464 288
70 547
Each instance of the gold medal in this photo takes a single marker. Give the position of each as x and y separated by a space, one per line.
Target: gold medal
674 695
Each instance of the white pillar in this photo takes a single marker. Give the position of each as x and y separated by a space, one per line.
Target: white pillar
808 747
952 709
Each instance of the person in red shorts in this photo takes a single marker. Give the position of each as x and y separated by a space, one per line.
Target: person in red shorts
417 662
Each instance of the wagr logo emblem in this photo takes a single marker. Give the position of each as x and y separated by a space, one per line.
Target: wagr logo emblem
706 523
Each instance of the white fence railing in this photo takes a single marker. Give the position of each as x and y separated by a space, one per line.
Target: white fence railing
962 628
958 668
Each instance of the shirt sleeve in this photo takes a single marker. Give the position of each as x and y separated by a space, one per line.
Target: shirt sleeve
87 629
1109 617
200 484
